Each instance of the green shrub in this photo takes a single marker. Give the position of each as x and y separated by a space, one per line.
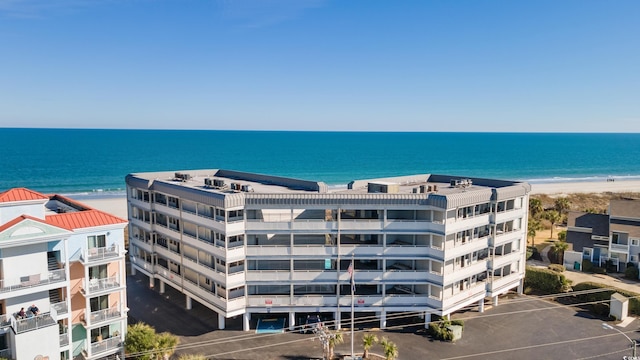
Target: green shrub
634 298
599 270
631 273
529 253
439 331
556 267
587 265
545 281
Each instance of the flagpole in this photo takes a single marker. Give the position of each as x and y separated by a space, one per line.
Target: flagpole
353 290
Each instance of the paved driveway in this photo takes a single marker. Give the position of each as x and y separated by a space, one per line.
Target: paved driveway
519 328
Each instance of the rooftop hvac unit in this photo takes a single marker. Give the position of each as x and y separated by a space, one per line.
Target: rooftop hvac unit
208 182
235 186
462 183
423 189
219 183
246 188
182 176
415 190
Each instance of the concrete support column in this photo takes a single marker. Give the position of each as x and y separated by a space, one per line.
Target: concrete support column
481 305
188 300
133 270
245 321
383 319
521 287
221 320
292 320
494 300
151 282
448 317
427 319
161 287
338 319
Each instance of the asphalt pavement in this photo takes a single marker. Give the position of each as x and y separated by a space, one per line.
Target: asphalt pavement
521 327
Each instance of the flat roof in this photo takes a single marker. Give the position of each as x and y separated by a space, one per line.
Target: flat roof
267 184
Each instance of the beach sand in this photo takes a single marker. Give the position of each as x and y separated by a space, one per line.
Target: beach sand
115 206
618 186
118 206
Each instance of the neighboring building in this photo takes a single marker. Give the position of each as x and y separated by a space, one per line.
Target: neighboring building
614 237
69 261
249 244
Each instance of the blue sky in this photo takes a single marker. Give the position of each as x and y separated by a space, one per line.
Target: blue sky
321 65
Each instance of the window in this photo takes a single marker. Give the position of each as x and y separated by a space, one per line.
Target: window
97 241
100 334
633 258
635 242
99 303
98 272
615 238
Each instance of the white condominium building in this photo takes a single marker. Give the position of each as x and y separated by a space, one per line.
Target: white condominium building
250 244
62 279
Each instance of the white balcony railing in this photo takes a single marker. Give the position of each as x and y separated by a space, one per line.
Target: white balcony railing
620 247
62 307
33 323
99 316
100 253
98 285
5 353
64 339
33 280
111 343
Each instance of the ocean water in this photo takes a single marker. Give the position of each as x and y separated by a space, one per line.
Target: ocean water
94 162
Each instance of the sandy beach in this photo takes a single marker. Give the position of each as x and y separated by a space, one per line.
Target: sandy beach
118 206
562 188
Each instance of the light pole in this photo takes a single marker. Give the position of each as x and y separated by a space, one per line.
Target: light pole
609 327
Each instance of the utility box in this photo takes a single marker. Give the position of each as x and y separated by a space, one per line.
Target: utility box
619 306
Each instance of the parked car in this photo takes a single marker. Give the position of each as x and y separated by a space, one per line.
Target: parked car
312 322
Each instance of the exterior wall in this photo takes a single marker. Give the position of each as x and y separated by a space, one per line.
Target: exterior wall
78 303
579 240
14 259
44 342
298 256
8 213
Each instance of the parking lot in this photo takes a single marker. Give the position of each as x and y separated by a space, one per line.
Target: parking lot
522 327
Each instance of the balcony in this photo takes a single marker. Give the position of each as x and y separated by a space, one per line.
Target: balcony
5 353
94 286
62 308
97 317
100 347
624 248
100 254
33 323
31 281
64 338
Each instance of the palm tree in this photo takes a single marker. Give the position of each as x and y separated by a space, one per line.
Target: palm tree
559 247
368 340
535 207
166 345
553 217
390 349
562 204
532 228
335 339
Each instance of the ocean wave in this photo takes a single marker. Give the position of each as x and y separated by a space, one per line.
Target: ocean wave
563 179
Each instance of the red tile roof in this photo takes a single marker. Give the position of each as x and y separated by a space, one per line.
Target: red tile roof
83 219
21 194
